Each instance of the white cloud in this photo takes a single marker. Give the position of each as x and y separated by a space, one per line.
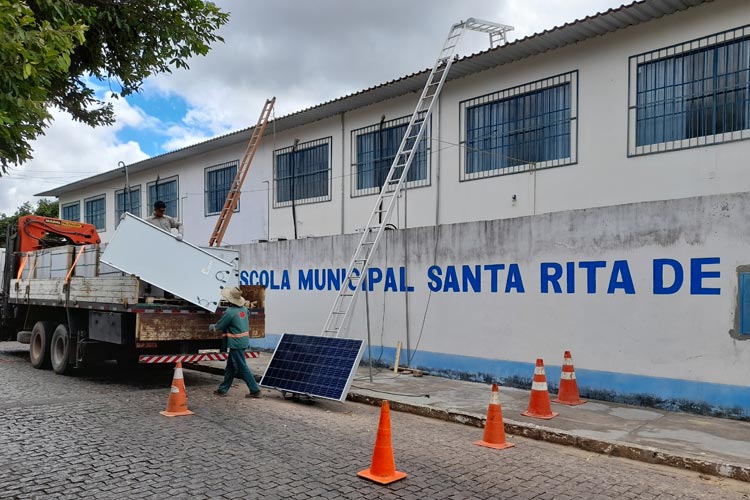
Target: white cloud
304 53
69 151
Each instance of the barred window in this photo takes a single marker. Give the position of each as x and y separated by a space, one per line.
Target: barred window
524 128
166 191
127 202
95 212
375 148
302 173
692 94
218 182
71 211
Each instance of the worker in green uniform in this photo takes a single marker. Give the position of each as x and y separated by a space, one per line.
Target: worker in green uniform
235 325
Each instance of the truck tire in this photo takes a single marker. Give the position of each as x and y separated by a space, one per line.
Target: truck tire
60 350
41 338
23 337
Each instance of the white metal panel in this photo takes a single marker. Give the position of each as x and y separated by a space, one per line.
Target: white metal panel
230 255
159 258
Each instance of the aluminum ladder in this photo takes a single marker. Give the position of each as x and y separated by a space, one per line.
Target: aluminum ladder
233 197
394 181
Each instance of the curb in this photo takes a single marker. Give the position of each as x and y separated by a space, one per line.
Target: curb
532 431
612 448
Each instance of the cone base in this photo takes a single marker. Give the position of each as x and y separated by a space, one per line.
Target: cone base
500 446
538 415
176 413
381 479
569 403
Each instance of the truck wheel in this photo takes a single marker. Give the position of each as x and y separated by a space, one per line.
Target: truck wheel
41 337
60 350
23 337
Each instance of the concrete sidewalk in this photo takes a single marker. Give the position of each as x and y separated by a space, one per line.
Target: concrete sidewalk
704 444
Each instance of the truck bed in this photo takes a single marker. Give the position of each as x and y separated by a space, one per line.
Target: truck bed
112 292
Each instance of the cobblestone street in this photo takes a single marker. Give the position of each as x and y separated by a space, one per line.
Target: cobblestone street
99 434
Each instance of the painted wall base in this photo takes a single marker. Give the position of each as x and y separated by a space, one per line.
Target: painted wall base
701 398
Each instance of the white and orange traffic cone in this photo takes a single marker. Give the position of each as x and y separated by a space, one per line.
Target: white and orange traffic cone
568 392
494 430
383 466
539 406
177 404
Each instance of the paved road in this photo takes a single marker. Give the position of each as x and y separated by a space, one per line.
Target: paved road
99 435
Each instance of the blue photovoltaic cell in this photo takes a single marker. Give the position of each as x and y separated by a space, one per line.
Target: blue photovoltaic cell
314 366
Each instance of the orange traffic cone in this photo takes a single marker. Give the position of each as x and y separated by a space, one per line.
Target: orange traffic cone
494 431
568 392
383 467
177 404
539 406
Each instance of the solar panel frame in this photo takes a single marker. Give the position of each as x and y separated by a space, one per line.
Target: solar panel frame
316 366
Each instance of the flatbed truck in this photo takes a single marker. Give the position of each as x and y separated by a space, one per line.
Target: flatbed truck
73 310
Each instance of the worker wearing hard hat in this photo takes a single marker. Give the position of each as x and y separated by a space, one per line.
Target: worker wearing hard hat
164 221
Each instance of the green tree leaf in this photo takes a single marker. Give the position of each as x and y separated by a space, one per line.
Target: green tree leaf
49 48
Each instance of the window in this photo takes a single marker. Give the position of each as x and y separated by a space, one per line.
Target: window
374 148
130 203
166 191
744 303
523 128
95 212
71 211
692 94
218 182
302 173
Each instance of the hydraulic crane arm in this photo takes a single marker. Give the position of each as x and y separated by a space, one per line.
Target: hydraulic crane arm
36 232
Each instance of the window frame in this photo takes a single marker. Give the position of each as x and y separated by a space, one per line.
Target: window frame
150 204
131 190
354 191
684 48
328 141
214 168
77 204
570 77
98 197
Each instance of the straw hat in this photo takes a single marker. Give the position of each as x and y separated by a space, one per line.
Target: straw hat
233 295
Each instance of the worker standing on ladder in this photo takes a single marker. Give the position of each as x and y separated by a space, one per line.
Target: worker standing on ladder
164 221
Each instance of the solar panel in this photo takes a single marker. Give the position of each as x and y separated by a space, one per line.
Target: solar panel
313 366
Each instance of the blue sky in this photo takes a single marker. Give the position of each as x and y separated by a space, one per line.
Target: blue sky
304 53
169 109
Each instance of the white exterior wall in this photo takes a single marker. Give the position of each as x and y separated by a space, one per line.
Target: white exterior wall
248 224
634 331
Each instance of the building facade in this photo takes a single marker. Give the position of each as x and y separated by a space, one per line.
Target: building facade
584 188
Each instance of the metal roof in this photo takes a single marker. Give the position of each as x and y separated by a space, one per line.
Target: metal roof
567 34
